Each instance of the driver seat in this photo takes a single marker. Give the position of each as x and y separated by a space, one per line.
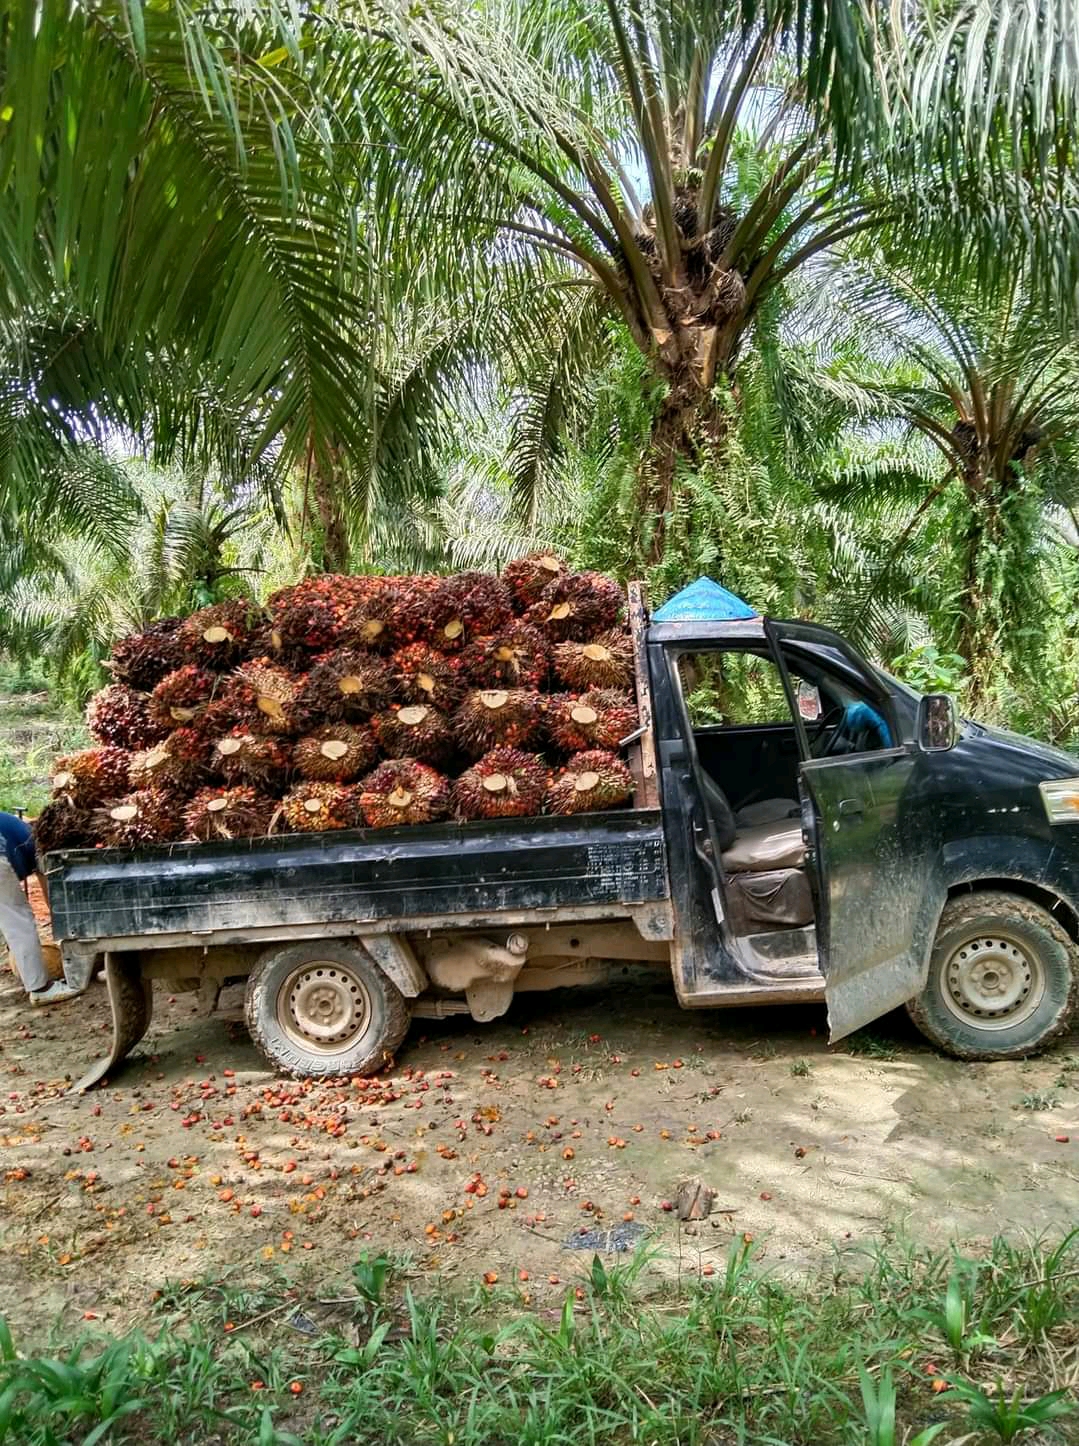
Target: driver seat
762 837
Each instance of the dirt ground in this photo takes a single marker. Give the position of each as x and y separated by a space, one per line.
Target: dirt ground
494 1148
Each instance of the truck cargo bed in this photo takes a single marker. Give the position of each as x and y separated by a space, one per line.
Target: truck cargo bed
600 861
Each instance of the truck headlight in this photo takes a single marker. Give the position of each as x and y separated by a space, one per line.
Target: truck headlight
1061 799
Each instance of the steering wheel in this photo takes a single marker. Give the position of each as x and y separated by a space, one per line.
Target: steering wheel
832 719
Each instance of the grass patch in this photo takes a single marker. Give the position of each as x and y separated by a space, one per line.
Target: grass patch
33 730
897 1346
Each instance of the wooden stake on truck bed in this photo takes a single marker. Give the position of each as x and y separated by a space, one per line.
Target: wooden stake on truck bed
642 755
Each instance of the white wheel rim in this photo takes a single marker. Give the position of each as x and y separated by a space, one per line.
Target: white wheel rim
323 1006
992 981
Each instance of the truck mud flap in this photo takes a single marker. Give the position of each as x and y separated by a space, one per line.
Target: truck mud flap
131 1000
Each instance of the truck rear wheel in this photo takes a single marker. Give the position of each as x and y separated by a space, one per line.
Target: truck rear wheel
1003 979
324 1009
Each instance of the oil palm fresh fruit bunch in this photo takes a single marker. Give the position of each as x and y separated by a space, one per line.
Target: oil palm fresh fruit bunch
591 780
600 718
147 816
90 776
181 695
466 606
517 656
142 659
499 718
219 637
335 753
243 757
179 762
375 618
312 807
308 617
63 824
347 684
505 783
526 577
402 791
424 675
577 605
224 813
274 692
232 703
120 716
416 730
604 662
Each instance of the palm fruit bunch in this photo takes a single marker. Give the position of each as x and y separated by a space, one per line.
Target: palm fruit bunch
526 577
178 762
274 693
142 659
218 637
605 662
147 816
307 618
120 716
600 718
421 674
62 824
243 757
312 807
228 813
347 684
499 718
465 606
403 790
505 783
589 781
377 613
577 605
416 730
91 776
181 696
516 656
335 753
232 704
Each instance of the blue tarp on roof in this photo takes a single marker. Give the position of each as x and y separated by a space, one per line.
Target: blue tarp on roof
703 601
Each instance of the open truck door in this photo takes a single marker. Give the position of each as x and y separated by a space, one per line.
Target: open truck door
876 894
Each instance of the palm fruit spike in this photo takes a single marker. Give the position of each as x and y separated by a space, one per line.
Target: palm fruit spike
181 696
589 781
601 718
347 684
515 657
403 791
312 807
148 816
63 825
91 776
179 762
120 716
505 783
499 718
275 694
465 606
372 619
218 637
307 618
142 659
578 606
415 731
228 813
605 662
423 675
526 577
246 757
335 753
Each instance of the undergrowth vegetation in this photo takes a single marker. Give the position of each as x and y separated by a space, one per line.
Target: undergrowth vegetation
902 1346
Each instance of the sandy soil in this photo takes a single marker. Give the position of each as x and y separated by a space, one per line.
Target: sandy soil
584 1107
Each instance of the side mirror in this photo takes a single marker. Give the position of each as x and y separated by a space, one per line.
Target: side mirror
937 728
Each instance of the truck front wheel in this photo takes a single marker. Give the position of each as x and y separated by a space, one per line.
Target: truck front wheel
324 1009
1003 978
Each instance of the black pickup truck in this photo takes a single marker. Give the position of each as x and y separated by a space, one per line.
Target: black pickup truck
804 827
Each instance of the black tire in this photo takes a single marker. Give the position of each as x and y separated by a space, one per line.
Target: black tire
1029 975
324 1008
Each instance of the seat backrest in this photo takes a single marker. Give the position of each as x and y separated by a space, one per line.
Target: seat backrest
715 801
